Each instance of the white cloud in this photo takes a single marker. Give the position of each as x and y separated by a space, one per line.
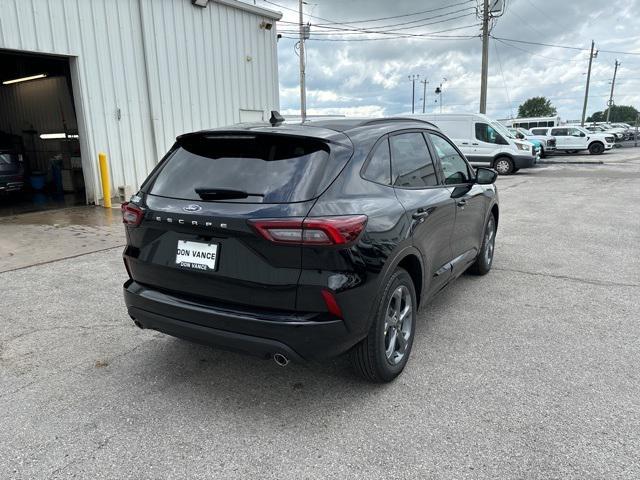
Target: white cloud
370 78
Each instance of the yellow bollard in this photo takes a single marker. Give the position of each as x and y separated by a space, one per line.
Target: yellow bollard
104 178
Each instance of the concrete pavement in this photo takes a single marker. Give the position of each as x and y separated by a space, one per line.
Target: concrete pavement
532 371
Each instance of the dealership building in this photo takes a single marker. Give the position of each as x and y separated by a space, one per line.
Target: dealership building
125 77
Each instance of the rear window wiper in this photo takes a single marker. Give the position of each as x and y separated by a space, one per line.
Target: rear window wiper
224 194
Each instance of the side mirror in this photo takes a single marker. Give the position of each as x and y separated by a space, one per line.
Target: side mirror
486 176
520 136
582 134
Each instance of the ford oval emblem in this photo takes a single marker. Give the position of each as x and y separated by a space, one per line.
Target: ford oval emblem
192 208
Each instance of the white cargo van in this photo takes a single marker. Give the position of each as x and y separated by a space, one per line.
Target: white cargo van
485 142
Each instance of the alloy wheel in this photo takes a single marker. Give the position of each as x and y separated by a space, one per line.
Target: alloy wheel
398 324
489 240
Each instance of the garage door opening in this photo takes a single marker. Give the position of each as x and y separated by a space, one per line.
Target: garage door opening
40 161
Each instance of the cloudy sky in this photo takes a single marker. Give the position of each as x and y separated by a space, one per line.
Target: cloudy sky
369 77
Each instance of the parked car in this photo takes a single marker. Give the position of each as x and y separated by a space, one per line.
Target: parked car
11 163
302 242
485 142
574 139
617 134
546 142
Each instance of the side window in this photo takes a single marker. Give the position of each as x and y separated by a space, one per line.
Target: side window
559 132
411 161
379 167
486 133
574 132
539 131
453 165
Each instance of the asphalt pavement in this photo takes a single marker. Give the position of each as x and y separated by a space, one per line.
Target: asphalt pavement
532 371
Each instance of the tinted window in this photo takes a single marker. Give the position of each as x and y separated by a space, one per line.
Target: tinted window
269 168
379 167
559 132
539 131
486 133
411 161
453 165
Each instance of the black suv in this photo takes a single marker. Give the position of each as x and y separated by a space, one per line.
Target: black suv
305 241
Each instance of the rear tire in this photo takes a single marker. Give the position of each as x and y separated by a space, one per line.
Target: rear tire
382 356
543 154
504 166
483 262
596 148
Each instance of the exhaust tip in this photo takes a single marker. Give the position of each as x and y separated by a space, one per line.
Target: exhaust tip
280 359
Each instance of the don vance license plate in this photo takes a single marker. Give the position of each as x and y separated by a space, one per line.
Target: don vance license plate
197 255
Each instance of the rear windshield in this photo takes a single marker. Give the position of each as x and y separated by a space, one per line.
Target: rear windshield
268 168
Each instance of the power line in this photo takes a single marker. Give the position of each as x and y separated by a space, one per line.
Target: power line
396 35
366 32
333 22
404 15
563 46
534 54
506 89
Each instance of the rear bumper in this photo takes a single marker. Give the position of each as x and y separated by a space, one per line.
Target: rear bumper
298 336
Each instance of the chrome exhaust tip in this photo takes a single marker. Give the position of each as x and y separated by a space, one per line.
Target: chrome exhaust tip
280 359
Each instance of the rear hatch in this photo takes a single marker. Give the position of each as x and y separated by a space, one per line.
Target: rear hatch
196 239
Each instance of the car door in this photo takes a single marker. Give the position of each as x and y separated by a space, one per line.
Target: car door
427 202
563 141
577 138
486 144
471 203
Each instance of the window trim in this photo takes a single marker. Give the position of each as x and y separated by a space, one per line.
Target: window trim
370 156
470 169
431 153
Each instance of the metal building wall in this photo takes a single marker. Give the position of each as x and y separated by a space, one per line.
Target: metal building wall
144 71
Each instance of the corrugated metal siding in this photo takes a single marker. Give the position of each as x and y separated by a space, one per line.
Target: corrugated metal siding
205 65
167 66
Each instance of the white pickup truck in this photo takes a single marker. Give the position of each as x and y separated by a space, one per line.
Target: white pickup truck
572 139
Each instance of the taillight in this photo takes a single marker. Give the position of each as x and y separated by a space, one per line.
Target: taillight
131 214
341 230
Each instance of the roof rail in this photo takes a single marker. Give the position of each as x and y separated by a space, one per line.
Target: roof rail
397 119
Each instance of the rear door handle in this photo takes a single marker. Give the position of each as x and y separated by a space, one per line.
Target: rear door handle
465 143
461 203
475 144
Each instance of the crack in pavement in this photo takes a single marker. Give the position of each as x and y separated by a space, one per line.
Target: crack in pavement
602 283
60 259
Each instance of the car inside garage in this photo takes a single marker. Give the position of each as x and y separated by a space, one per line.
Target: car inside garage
40 160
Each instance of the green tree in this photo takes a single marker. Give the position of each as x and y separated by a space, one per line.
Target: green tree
537 107
619 113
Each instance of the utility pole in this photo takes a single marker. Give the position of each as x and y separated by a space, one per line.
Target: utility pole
413 79
303 86
424 95
613 84
485 58
586 92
